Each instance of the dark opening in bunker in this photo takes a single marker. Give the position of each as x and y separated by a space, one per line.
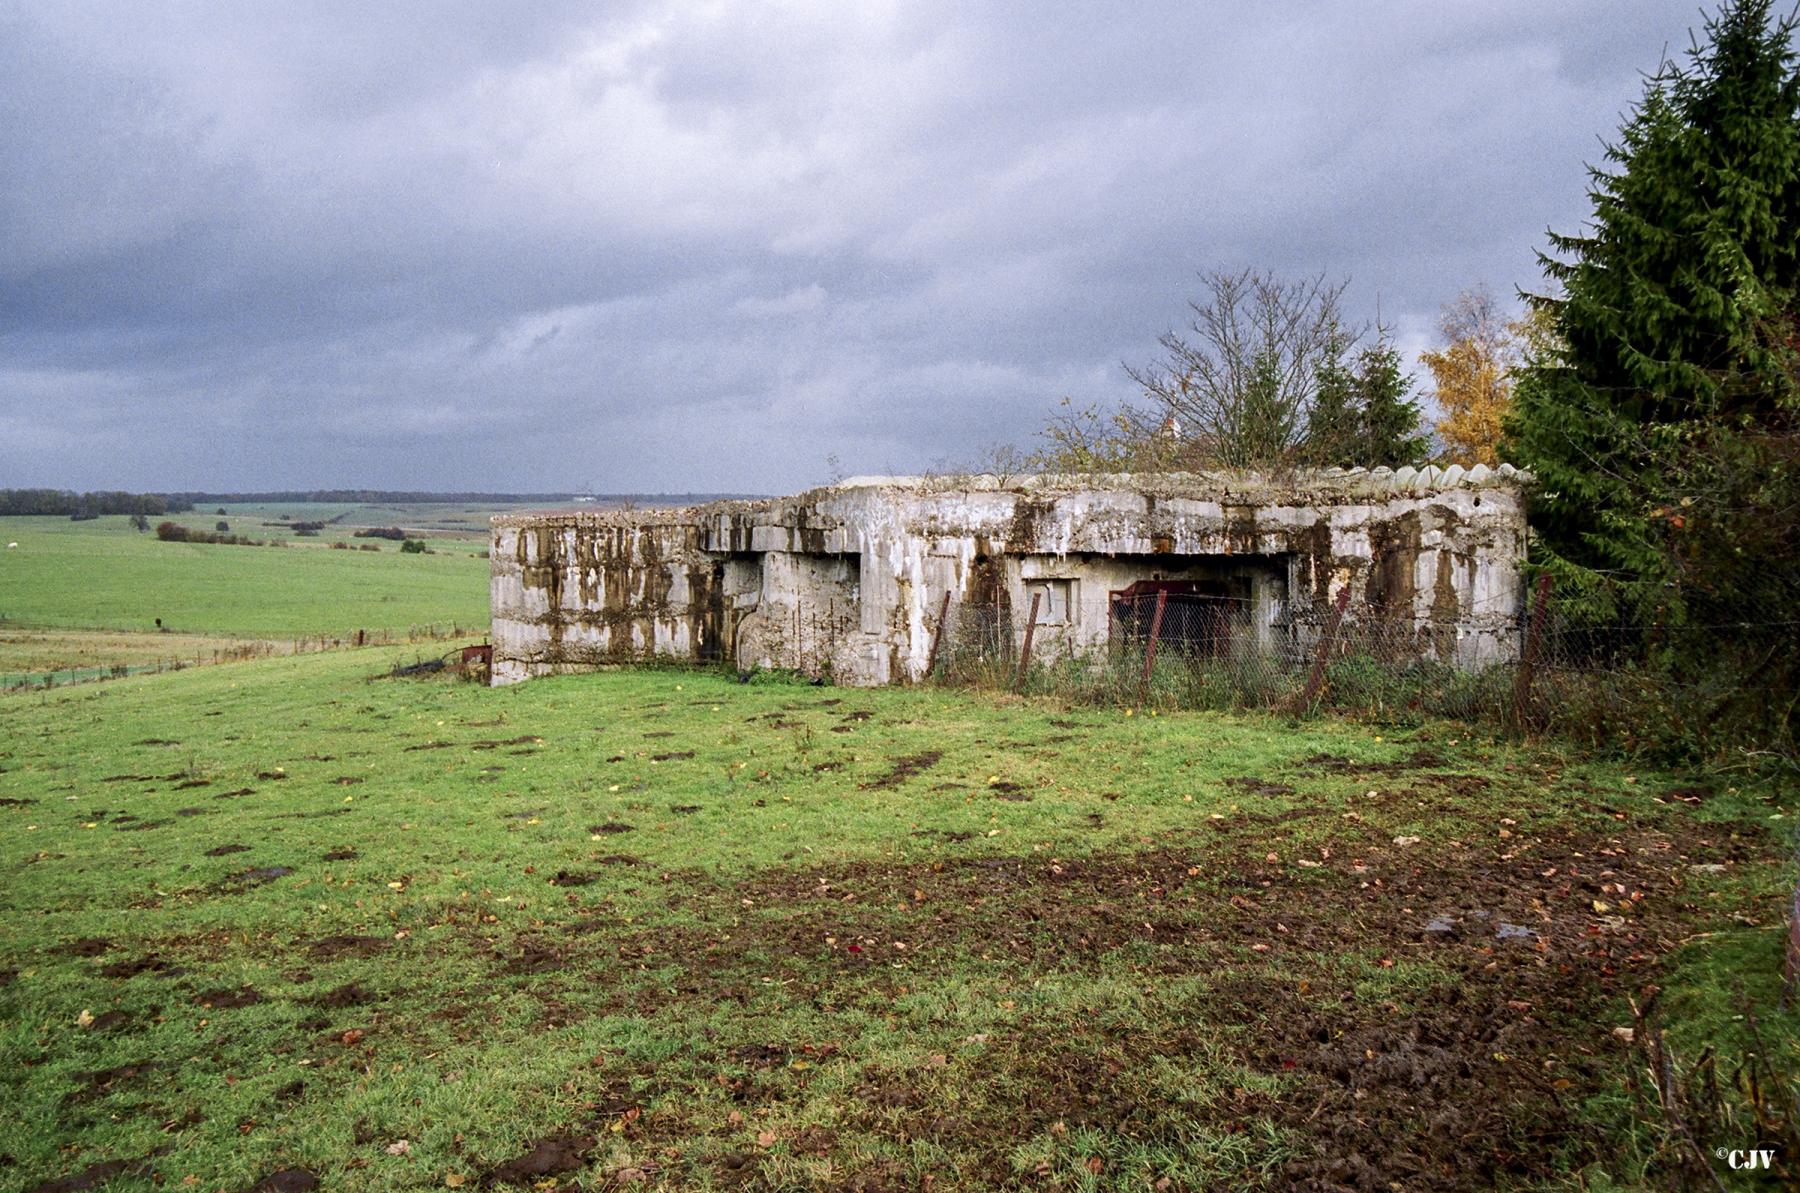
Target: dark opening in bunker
1207 605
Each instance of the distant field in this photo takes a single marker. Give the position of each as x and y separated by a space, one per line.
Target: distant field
447 527
104 575
663 930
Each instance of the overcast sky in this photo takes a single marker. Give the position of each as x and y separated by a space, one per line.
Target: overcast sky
706 246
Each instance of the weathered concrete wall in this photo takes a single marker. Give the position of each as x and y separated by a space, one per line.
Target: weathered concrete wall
849 580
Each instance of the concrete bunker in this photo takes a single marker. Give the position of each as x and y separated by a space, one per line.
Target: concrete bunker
852 581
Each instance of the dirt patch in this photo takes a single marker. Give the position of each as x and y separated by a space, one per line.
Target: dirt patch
141 826
131 969
570 878
224 850
227 999
249 880
104 1081
11 802
429 745
1337 764
350 780
96 1175
347 946
345 854
684 809
610 828
240 793
88 946
515 741
672 756
531 956
905 768
351 994
186 784
1255 786
825 768
286 1180
271 776
111 1021
546 1158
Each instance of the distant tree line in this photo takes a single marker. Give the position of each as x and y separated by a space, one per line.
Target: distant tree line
67 503
174 532
412 497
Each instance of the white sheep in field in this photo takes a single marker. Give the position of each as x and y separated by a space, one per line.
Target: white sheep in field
10 546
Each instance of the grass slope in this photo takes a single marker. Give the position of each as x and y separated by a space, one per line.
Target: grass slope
664 929
103 574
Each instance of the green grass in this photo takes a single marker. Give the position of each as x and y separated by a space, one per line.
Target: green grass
104 575
769 935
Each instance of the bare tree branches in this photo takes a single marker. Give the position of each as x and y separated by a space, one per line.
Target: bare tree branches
1239 382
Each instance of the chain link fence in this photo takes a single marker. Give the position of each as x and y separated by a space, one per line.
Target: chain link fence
1633 686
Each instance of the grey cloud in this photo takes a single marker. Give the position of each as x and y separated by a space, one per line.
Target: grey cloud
676 246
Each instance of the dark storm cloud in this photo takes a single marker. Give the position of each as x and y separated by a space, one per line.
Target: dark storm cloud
707 246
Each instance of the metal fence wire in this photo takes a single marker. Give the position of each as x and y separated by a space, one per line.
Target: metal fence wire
1612 683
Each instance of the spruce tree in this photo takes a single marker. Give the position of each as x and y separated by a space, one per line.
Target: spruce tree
1390 416
1334 423
1676 333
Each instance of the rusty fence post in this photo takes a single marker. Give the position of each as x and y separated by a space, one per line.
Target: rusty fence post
1534 639
1025 649
937 636
1790 994
1316 681
1162 602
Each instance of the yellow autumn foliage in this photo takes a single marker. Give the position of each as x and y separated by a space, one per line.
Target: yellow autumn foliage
1473 372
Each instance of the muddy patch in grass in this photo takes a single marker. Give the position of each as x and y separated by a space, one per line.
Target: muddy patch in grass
610 828
286 1180
227 999
546 1158
1373 1085
345 854
99 1082
905 768
96 1175
672 756
527 740
351 994
1254 786
88 946
225 850
250 879
326 947
151 963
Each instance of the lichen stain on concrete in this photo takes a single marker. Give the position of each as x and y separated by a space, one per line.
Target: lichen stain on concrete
847 581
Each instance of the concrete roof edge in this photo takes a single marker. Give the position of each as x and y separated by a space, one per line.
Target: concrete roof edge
1235 485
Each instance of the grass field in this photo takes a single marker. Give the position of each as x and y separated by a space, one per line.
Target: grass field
660 929
102 575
